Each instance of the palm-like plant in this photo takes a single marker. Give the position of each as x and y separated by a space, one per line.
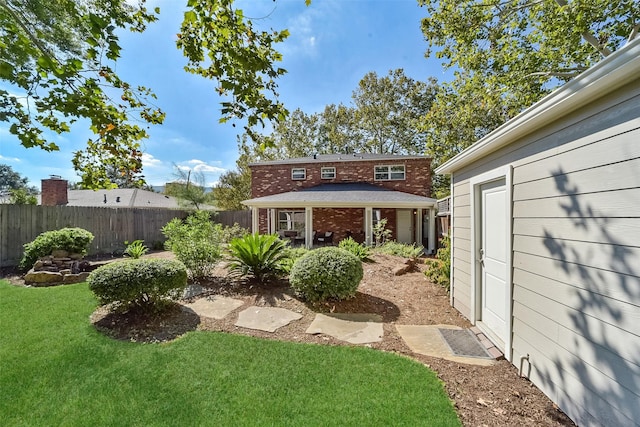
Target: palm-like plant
257 255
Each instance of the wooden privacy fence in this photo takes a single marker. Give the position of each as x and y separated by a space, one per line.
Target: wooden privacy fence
20 224
242 218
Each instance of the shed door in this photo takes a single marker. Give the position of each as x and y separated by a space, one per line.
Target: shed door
404 221
493 257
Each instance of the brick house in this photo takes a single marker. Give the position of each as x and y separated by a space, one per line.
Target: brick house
344 194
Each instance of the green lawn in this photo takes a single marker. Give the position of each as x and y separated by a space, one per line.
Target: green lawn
55 369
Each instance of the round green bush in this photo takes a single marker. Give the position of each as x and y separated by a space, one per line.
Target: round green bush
138 282
72 240
326 273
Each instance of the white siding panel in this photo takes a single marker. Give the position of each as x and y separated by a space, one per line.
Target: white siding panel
603 148
620 259
464 266
584 383
619 341
613 204
465 233
615 312
462 200
593 354
462 211
559 183
622 231
462 222
607 283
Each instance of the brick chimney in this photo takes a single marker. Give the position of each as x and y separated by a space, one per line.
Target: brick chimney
54 191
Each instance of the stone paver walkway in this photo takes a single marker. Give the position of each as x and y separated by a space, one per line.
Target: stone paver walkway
267 319
352 328
216 307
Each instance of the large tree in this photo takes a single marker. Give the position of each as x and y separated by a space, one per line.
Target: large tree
507 55
388 109
57 57
383 118
12 180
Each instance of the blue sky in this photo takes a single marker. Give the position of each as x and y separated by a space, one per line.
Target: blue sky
333 44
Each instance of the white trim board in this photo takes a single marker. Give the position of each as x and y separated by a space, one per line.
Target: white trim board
506 173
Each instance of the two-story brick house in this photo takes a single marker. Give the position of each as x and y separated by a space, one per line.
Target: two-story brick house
345 195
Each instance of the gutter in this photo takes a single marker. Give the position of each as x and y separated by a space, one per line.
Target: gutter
613 72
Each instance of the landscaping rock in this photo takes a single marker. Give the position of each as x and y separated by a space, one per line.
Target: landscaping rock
75 278
409 265
59 253
42 278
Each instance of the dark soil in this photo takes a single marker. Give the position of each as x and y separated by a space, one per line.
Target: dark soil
483 396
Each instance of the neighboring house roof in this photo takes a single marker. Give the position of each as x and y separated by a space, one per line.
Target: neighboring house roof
333 158
342 196
121 198
613 72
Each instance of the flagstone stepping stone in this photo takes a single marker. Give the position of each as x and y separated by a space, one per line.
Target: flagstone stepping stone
267 319
357 328
215 307
427 340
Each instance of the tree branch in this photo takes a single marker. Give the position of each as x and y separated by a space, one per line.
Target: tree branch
45 52
589 38
634 33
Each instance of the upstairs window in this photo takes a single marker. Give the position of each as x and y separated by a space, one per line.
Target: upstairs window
389 173
328 173
298 173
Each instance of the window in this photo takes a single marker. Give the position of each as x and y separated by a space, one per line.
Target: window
298 173
328 173
389 173
291 220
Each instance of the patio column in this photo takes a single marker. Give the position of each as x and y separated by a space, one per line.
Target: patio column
255 220
432 230
418 220
308 227
368 225
272 221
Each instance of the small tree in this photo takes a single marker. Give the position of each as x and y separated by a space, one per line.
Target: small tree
22 197
439 269
196 242
380 232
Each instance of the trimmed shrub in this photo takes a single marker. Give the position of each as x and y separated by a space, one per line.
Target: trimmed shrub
196 242
361 251
326 273
439 269
138 282
227 234
257 255
291 255
72 240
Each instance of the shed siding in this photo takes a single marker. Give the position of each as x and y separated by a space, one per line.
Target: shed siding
576 252
460 247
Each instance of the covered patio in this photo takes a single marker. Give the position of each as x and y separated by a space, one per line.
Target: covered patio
346 210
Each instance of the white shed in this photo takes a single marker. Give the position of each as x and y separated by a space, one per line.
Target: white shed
546 241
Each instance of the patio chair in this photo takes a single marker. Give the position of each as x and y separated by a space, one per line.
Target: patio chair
326 238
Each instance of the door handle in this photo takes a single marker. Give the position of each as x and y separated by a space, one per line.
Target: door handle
481 258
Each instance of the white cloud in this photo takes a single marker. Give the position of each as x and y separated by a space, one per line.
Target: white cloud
201 166
151 162
9 159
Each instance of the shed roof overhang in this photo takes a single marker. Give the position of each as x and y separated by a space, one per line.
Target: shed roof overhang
342 196
618 69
